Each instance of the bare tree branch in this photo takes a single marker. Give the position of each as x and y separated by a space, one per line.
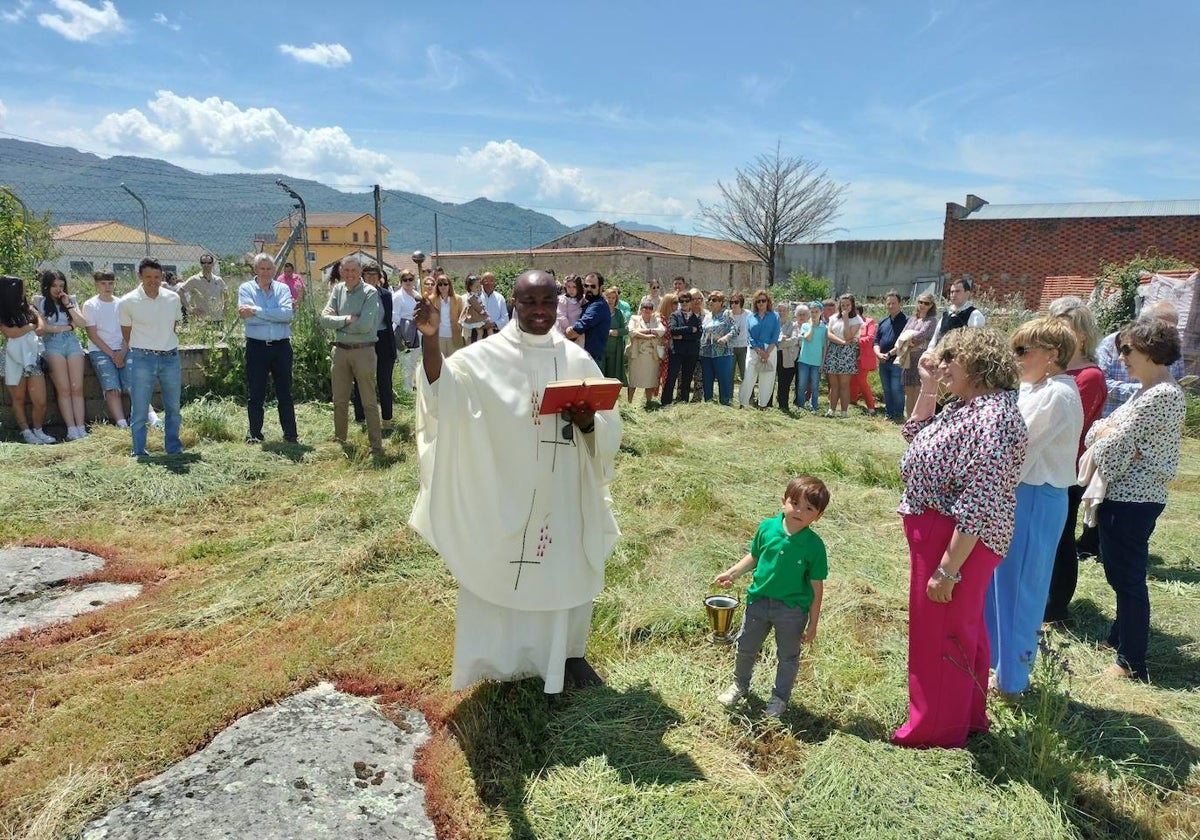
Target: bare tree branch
774 200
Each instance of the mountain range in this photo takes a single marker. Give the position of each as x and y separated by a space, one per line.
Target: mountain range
226 212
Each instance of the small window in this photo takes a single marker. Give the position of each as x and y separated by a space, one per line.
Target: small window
355 235
81 267
124 269
169 269
324 236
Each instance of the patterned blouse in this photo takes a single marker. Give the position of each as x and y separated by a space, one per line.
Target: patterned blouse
717 326
965 462
1142 454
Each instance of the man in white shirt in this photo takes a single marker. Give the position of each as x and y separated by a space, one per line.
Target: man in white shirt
404 303
960 313
494 303
148 316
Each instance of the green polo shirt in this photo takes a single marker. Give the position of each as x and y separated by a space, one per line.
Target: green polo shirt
787 564
363 302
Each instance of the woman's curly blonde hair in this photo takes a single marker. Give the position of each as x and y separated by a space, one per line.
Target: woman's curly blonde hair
984 354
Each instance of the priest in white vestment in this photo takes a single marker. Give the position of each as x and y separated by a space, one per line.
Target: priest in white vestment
516 503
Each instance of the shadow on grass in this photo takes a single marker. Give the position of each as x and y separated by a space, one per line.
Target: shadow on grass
1170 664
291 451
180 464
1185 571
512 732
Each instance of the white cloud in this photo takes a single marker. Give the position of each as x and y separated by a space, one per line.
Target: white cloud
82 22
325 55
17 13
511 172
162 20
259 139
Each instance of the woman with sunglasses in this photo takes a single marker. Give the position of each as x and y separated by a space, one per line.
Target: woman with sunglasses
716 354
1093 391
684 327
740 342
914 340
666 308
1053 412
841 354
1135 451
655 294
763 328
646 333
450 336
960 475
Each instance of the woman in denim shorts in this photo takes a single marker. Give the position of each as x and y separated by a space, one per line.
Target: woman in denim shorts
62 353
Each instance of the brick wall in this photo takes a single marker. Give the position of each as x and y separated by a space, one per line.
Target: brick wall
1007 256
192 360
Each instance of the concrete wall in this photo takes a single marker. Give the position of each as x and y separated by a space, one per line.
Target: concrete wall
192 359
865 268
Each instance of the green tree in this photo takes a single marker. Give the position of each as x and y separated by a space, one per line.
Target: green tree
1117 309
25 240
806 286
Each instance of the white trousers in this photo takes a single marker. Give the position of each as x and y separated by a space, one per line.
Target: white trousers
758 373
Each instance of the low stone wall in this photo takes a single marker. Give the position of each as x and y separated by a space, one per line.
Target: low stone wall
193 359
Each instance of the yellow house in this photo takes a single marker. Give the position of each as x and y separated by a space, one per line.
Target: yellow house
330 236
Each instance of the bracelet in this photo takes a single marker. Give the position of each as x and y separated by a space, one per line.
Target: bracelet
927 394
939 572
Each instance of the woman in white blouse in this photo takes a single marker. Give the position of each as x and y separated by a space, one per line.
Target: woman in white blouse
1136 452
1053 414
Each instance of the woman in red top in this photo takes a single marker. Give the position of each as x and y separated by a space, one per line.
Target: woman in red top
866 363
1093 390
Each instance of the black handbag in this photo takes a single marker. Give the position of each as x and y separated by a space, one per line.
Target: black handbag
407 334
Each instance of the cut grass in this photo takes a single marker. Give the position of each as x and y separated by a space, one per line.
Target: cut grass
273 567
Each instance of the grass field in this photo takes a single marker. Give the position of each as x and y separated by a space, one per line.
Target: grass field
268 569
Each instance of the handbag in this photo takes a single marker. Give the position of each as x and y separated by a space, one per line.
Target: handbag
660 351
407 334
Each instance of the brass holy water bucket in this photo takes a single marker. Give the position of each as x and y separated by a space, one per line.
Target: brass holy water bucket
720 609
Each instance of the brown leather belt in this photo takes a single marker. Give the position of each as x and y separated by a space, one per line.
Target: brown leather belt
354 346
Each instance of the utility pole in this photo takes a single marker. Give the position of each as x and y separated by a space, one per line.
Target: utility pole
436 259
145 216
378 229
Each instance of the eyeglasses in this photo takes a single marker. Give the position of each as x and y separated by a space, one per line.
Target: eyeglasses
760 300
406 279
1125 349
591 286
443 284
205 262
1022 349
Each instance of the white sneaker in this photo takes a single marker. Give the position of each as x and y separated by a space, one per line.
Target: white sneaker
83 432
29 437
775 707
730 696
43 437
156 423
73 433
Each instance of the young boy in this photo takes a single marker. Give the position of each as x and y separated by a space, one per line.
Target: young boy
789 564
106 347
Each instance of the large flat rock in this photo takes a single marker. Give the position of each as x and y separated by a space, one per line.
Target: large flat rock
60 605
319 764
27 571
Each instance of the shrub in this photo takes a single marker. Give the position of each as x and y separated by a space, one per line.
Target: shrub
802 285
1118 309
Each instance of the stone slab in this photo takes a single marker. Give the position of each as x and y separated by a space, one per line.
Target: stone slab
27 571
318 764
60 604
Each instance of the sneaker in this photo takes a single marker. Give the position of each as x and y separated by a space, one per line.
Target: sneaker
73 433
843 417
730 696
829 413
29 437
156 423
253 439
42 437
776 706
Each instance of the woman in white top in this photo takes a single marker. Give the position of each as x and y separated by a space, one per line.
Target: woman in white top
739 343
841 353
1053 413
63 354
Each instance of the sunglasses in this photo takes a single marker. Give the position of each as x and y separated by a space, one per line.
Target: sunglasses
760 300
591 286
685 298
1022 349
443 284
1125 349
946 356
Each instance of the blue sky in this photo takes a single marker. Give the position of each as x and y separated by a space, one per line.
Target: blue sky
629 110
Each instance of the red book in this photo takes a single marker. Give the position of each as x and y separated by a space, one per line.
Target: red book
600 393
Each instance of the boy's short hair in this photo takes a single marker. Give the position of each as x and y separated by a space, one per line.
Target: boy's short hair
810 489
103 275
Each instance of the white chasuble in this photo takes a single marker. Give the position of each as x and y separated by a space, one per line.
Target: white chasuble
520 513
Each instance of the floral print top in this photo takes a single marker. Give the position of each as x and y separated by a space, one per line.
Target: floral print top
965 462
717 326
1142 453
